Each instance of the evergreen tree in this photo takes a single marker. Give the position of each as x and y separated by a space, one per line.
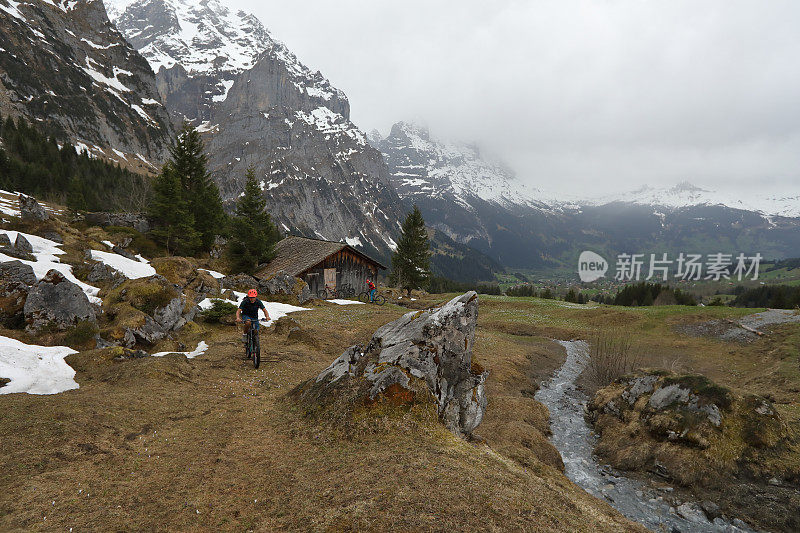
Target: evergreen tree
253 234
189 161
411 260
173 222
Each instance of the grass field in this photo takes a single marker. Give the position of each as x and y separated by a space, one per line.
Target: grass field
211 444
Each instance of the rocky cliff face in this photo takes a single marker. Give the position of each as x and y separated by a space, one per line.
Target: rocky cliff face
66 68
260 107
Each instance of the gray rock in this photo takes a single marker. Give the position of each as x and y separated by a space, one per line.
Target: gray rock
4 240
21 244
711 510
169 316
639 385
53 236
101 272
137 221
283 284
123 252
58 303
434 346
692 513
240 282
17 271
149 333
30 209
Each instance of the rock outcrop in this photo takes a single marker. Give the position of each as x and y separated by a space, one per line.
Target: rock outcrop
16 279
57 303
282 284
136 221
680 422
423 351
66 68
30 209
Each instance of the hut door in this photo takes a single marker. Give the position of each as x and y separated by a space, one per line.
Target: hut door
330 278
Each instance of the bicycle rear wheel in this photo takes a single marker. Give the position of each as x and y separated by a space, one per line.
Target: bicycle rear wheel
380 300
363 297
256 350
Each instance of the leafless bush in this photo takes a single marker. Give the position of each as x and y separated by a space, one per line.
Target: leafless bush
611 356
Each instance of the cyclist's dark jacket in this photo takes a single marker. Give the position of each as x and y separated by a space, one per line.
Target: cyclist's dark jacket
251 309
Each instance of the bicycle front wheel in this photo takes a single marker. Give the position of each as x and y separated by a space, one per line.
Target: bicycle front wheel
380 300
256 351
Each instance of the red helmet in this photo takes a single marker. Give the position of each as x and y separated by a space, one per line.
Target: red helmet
252 293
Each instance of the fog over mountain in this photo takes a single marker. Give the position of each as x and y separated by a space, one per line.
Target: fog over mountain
577 95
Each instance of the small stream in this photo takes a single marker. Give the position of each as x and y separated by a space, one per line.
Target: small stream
574 439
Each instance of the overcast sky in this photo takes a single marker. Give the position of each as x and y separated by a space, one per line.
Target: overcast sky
582 96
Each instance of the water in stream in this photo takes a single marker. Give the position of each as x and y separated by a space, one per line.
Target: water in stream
574 439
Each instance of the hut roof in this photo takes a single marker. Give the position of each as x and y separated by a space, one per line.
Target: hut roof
295 255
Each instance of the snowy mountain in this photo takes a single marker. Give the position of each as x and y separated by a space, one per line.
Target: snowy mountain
259 107
688 195
65 67
424 166
197 49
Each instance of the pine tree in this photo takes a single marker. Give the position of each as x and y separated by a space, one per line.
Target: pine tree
189 161
173 222
411 261
253 235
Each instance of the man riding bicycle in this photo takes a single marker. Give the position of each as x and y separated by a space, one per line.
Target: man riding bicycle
371 290
248 312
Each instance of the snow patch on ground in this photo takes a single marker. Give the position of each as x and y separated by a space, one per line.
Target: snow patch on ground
214 273
127 267
344 302
45 252
200 350
35 369
276 310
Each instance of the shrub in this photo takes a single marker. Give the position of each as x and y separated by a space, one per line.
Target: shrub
611 357
218 309
80 334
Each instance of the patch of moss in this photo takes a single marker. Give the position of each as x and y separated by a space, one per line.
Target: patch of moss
143 294
703 387
80 334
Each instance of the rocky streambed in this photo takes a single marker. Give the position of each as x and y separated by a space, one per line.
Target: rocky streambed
575 440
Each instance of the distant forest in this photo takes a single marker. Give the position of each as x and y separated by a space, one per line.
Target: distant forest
34 164
774 296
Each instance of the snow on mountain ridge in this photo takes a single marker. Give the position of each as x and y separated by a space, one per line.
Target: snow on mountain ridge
426 165
207 39
686 194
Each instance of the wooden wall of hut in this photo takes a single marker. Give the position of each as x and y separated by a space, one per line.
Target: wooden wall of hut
351 269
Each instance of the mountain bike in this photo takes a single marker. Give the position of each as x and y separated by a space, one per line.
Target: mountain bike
347 291
364 298
252 346
328 293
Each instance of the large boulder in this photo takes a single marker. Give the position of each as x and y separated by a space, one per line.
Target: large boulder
282 284
145 310
57 303
31 210
239 282
16 279
178 270
103 273
21 249
17 271
423 352
136 221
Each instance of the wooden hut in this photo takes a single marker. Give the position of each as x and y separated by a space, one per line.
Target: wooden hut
322 263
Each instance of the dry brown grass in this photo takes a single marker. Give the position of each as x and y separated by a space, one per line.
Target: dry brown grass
612 354
211 444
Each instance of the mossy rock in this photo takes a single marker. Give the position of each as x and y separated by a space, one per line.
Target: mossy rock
144 294
178 270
